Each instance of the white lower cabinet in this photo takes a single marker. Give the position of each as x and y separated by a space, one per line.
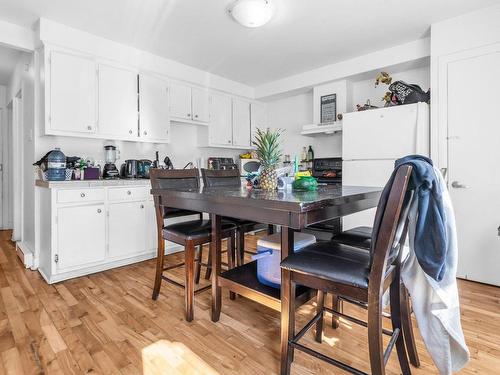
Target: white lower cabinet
126 229
91 229
81 236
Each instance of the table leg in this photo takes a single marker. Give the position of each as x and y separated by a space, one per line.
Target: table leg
216 266
286 241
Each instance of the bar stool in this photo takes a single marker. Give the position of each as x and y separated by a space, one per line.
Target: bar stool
190 234
232 178
361 237
354 273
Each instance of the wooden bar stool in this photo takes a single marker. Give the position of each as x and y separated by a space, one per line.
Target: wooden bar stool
232 178
350 272
361 237
190 234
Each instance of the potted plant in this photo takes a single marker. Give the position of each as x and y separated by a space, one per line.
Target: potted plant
268 148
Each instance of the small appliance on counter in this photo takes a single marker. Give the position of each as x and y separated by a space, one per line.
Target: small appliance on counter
143 167
249 166
221 163
111 155
129 169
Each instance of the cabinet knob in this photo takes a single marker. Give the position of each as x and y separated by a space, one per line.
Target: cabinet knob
99 210
130 132
195 116
82 195
189 115
129 192
142 206
229 141
89 127
145 132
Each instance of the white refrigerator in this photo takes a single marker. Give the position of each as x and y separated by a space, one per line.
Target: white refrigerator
372 140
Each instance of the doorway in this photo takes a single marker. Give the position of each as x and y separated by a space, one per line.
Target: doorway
473 155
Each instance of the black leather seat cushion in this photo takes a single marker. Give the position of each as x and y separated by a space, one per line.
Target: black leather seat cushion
240 222
169 212
196 229
332 261
359 236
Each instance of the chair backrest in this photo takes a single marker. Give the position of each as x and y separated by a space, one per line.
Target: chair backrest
390 227
174 178
221 178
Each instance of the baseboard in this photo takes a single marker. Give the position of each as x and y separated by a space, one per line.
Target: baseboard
24 253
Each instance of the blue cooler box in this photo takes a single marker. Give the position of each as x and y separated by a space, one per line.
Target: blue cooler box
269 256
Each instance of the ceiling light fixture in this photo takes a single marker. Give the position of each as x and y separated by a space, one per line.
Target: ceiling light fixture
252 13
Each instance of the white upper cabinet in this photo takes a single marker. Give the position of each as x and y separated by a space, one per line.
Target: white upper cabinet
118 114
180 101
188 104
71 94
199 104
154 109
220 128
241 123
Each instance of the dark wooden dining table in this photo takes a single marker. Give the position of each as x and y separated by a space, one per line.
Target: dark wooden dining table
292 210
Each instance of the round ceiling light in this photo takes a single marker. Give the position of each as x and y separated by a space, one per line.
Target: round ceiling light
252 13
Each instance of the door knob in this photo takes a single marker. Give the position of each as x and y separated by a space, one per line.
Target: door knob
458 185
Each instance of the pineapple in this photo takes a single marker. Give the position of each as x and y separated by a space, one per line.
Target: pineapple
269 153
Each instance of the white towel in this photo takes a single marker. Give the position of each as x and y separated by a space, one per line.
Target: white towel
436 304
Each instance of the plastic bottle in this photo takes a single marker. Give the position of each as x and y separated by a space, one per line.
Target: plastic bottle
56 162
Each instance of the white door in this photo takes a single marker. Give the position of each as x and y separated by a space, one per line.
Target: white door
386 133
241 123
73 90
199 100
180 101
364 173
154 109
117 102
473 156
81 236
220 129
126 229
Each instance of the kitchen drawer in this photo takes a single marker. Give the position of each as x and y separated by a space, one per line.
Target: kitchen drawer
80 195
128 193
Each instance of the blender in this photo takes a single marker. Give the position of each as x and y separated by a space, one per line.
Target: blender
111 155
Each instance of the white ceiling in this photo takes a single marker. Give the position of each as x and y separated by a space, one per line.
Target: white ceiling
8 60
305 34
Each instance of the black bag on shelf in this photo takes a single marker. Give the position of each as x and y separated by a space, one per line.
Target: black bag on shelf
406 93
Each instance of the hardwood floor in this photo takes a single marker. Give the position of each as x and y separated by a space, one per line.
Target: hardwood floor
100 324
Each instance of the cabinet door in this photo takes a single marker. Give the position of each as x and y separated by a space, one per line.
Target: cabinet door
154 115
220 130
151 231
126 226
81 236
199 99
180 101
117 102
72 91
241 123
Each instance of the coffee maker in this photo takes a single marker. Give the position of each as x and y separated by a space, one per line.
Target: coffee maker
111 155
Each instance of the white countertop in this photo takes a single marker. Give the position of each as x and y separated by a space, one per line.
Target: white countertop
91 183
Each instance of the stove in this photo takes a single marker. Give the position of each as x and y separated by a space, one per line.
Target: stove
327 171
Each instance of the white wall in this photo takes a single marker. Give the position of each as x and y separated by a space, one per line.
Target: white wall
22 80
291 113
3 140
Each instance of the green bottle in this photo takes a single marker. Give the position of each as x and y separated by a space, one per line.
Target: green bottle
310 154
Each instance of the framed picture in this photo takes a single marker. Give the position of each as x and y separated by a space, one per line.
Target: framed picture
328 111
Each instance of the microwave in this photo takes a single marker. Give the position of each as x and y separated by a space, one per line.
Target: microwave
249 166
